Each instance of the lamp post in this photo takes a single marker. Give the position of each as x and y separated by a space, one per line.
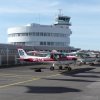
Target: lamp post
7 55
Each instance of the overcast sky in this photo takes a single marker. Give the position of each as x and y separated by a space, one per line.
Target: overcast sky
85 18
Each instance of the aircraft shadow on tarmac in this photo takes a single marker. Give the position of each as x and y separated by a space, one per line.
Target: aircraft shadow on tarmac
93 72
96 65
47 89
73 80
75 73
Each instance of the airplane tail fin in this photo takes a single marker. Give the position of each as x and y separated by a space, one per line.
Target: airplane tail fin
22 53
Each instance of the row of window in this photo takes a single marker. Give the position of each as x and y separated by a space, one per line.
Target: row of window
37 34
5 51
64 19
42 43
53 43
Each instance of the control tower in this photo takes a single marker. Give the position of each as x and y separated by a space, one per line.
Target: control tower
63 20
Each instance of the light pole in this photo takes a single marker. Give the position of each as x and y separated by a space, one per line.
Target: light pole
7 55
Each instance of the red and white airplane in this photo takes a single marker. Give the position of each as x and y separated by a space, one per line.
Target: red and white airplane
56 59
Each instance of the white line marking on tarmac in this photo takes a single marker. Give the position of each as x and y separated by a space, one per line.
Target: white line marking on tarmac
53 75
21 82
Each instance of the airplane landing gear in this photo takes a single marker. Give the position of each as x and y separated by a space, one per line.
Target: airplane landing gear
51 68
68 68
60 67
91 64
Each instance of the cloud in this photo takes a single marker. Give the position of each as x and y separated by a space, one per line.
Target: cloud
84 8
30 7
48 7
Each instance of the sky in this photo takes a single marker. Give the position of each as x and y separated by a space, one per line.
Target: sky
85 18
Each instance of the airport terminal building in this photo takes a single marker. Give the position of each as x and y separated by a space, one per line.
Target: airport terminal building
37 37
43 37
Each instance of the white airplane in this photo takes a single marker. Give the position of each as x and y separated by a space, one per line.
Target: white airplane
82 57
86 57
94 58
56 59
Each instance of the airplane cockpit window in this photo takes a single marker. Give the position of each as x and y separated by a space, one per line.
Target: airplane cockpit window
62 55
55 56
21 52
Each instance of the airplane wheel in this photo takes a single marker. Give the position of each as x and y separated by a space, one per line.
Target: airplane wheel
84 63
51 68
68 68
91 64
60 67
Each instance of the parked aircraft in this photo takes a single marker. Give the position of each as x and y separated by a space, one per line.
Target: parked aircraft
56 59
95 57
83 57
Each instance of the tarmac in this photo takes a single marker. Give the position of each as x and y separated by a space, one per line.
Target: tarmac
23 83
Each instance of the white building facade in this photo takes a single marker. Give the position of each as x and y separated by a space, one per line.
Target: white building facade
55 36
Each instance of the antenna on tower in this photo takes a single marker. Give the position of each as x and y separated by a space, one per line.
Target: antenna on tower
39 17
60 12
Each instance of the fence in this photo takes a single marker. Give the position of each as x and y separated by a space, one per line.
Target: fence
9 60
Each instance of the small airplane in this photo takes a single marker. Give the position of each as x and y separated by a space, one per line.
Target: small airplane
94 58
84 57
56 59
